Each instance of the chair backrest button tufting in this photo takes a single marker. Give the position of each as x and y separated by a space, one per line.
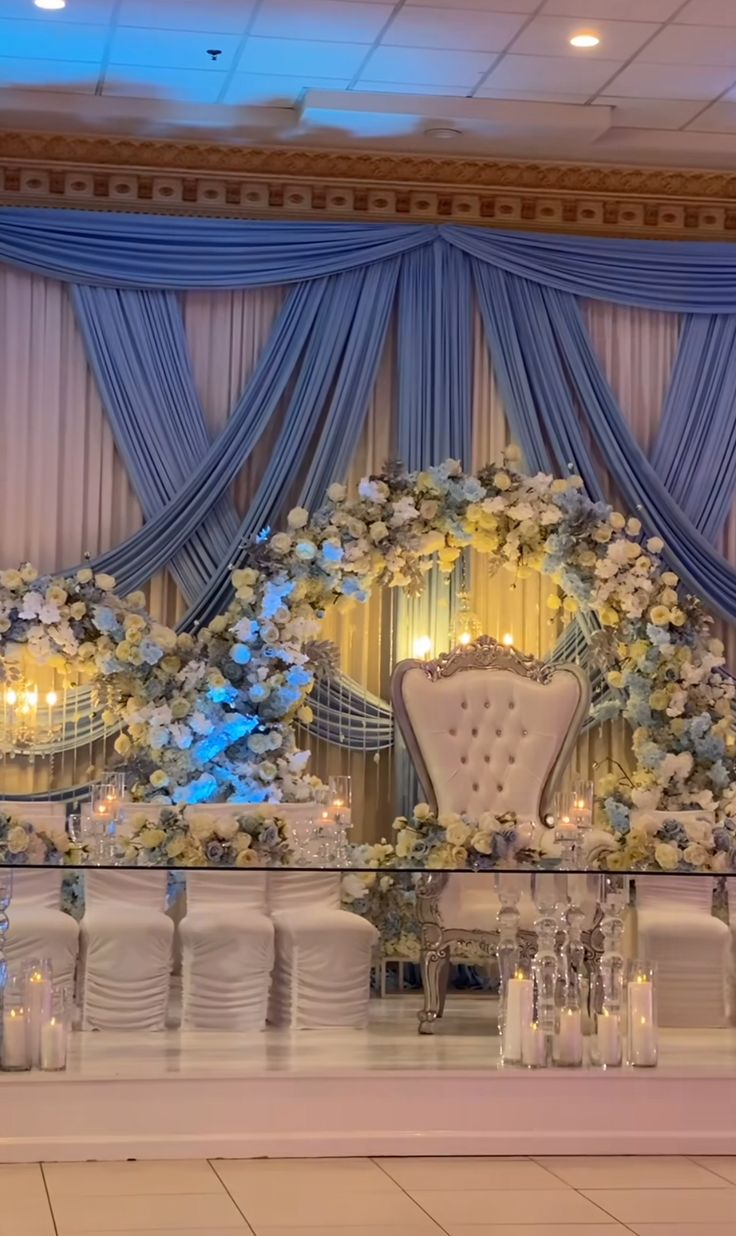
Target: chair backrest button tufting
453 733
476 787
487 759
474 732
498 733
500 789
463 759
464 704
512 759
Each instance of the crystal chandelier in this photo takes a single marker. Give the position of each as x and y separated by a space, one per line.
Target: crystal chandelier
30 720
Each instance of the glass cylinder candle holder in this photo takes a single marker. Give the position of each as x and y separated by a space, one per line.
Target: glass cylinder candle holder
533 1046
569 1031
642 1037
581 804
517 1014
609 1039
340 799
15 1053
566 830
55 1033
38 1001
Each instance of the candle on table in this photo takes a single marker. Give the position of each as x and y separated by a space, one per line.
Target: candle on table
518 1012
570 1037
642 1031
609 1038
15 1040
533 1046
39 1010
53 1045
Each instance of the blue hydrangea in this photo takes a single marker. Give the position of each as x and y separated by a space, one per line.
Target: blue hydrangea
700 725
718 775
618 814
657 635
672 830
722 839
709 748
650 755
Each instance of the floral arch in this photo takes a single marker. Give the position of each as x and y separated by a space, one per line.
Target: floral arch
212 716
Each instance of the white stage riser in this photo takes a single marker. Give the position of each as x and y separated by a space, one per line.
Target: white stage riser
449 1113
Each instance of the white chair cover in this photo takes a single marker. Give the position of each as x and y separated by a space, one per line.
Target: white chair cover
39 928
677 930
227 951
323 953
126 951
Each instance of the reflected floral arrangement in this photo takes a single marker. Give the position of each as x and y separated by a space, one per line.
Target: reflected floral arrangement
23 843
172 839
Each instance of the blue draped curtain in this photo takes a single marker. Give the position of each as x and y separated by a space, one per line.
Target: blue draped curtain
321 360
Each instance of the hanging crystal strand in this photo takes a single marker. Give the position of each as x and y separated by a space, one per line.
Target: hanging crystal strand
507 951
575 920
611 967
545 967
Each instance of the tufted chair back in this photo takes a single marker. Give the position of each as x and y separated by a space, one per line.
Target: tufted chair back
487 728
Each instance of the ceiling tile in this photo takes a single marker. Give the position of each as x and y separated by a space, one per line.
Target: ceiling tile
427 66
95 12
481 6
556 74
708 13
266 89
136 81
531 95
664 81
173 49
615 10
226 16
55 75
49 40
651 113
454 28
459 92
331 20
549 36
693 45
720 118
299 57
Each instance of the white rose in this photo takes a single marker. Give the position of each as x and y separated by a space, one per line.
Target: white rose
423 812
17 840
696 855
458 834
298 517
226 828
655 545
201 827
85 575
378 532
483 842
105 582
337 493
280 543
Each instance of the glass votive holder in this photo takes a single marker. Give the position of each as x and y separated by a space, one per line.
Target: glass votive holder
642 1036
533 1046
15 1053
340 799
569 1037
55 1033
38 1002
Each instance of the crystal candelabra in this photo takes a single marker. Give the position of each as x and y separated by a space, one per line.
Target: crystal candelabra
545 966
507 920
611 968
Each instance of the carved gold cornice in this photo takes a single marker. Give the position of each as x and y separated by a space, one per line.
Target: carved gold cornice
199 178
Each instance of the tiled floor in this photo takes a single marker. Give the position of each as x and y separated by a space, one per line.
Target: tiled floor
665 1196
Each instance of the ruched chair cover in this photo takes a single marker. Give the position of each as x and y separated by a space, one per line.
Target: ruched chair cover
323 953
227 943
39 929
488 730
677 930
126 951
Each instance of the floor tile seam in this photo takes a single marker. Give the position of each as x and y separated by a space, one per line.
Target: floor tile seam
419 1206
249 1230
551 1172
626 1226
712 1170
48 1199
583 1194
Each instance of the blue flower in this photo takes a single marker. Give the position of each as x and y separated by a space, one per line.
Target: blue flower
718 775
672 830
700 725
619 815
722 839
215 851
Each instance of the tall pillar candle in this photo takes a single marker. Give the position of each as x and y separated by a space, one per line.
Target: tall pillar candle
518 1012
609 1039
570 1038
38 1005
642 1028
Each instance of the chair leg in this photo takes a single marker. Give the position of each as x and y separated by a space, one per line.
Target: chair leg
434 960
444 980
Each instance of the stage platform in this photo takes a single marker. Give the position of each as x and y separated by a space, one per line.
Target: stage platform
382 1091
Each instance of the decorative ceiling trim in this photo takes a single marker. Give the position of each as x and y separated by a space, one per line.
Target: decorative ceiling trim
198 178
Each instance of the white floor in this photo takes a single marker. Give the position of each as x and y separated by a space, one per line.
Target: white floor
554 1196
466 1039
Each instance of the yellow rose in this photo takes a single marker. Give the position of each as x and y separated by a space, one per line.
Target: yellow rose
502 480
587 558
305 714
609 617
639 649
105 582
615 678
659 700
602 533
179 707
244 578
670 579
56 595
554 601
666 856
134 622
152 837
176 847
575 482
716 647
85 576
78 610
678 617
171 664
11 579
655 545
18 840
660 615
86 651
247 858
633 551
558 486
677 725
137 600
616 520
28 573
570 605
633 526
668 596
123 745
218 624
159 779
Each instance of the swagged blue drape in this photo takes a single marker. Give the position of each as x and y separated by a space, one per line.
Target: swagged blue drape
323 353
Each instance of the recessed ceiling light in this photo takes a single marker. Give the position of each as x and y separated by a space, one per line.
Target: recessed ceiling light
585 40
50 4
443 135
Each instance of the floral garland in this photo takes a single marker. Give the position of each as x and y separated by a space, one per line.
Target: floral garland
212 717
174 840
663 666
22 843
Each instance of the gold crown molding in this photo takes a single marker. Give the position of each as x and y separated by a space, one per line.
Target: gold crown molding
199 178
